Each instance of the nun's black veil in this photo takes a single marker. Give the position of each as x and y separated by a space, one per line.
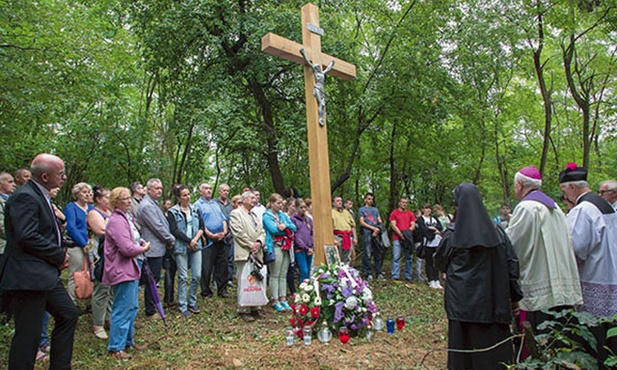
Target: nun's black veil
473 225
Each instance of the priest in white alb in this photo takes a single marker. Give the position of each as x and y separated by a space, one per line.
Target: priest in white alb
539 233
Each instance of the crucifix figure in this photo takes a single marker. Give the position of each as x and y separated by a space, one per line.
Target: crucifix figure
315 120
320 80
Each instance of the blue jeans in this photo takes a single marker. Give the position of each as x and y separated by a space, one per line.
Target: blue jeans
44 335
396 260
183 261
369 251
123 313
303 261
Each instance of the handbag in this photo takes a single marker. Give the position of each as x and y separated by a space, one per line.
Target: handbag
83 283
421 251
269 257
252 284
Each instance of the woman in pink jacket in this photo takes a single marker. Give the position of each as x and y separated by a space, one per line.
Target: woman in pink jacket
123 258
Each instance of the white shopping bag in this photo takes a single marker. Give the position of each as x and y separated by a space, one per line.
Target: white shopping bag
251 290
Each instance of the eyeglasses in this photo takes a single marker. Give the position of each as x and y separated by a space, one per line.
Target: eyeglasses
602 192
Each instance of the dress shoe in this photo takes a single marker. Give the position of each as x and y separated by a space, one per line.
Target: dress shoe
139 347
258 315
121 355
246 317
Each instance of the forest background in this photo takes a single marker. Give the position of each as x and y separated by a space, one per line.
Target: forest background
447 91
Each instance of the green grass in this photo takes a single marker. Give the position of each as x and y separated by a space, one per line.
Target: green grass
217 339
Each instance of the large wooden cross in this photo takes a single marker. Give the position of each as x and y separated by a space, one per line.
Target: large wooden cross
317 134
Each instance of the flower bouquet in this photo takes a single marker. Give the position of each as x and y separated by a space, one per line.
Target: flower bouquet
336 295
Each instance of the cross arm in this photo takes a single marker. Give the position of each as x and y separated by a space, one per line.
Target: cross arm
287 49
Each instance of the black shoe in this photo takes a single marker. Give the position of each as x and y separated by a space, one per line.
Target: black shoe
223 295
258 315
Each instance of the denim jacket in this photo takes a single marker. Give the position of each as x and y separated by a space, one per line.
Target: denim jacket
177 226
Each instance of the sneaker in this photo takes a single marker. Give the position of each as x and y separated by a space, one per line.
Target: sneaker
438 285
194 309
186 313
369 277
286 305
278 306
231 284
381 277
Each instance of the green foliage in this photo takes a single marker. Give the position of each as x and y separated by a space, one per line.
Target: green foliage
446 92
568 342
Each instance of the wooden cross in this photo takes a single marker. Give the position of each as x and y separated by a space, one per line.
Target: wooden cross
317 134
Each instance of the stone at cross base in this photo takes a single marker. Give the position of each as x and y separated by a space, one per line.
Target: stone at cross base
317 134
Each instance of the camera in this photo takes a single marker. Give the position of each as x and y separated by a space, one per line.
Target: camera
256 273
257 266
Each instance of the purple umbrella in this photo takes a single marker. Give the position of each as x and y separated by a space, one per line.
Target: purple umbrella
153 290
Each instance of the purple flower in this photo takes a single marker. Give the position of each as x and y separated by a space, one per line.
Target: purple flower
372 307
328 288
347 292
354 327
338 311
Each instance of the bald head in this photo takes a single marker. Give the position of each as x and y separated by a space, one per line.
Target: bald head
48 170
7 183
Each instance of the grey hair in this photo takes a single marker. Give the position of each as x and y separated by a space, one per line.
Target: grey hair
527 181
79 187
246 194
579 184
151 182
610 184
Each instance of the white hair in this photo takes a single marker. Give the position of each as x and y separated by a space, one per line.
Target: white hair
581 184
610 184
528 181
246 194
152 181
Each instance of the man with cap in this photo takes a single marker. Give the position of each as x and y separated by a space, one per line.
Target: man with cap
593 228
539 233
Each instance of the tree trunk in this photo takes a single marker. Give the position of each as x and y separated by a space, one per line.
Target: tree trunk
546 94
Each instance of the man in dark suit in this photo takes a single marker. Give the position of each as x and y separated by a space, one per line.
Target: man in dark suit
31 265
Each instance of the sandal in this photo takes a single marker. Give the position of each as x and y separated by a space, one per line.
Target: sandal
41 356
100 333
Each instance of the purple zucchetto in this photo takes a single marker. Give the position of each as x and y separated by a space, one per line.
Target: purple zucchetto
531 172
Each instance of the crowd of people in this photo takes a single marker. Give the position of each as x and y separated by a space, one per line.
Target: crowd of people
521 264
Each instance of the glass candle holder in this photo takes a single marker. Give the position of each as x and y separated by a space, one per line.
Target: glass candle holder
400 323
390 326
307 333
343 335
378 323
324 335
290 336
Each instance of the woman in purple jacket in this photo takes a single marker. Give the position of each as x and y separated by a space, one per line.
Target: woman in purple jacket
303 242
123 258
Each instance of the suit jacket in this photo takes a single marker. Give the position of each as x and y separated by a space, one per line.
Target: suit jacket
154 227
33 256
247 229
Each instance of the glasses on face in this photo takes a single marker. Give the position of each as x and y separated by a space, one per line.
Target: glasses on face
602 192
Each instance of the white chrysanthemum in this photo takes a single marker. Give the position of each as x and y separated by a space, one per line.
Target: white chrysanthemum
351 302
317 301
303 285
298 299
308 288
306 298
367 295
